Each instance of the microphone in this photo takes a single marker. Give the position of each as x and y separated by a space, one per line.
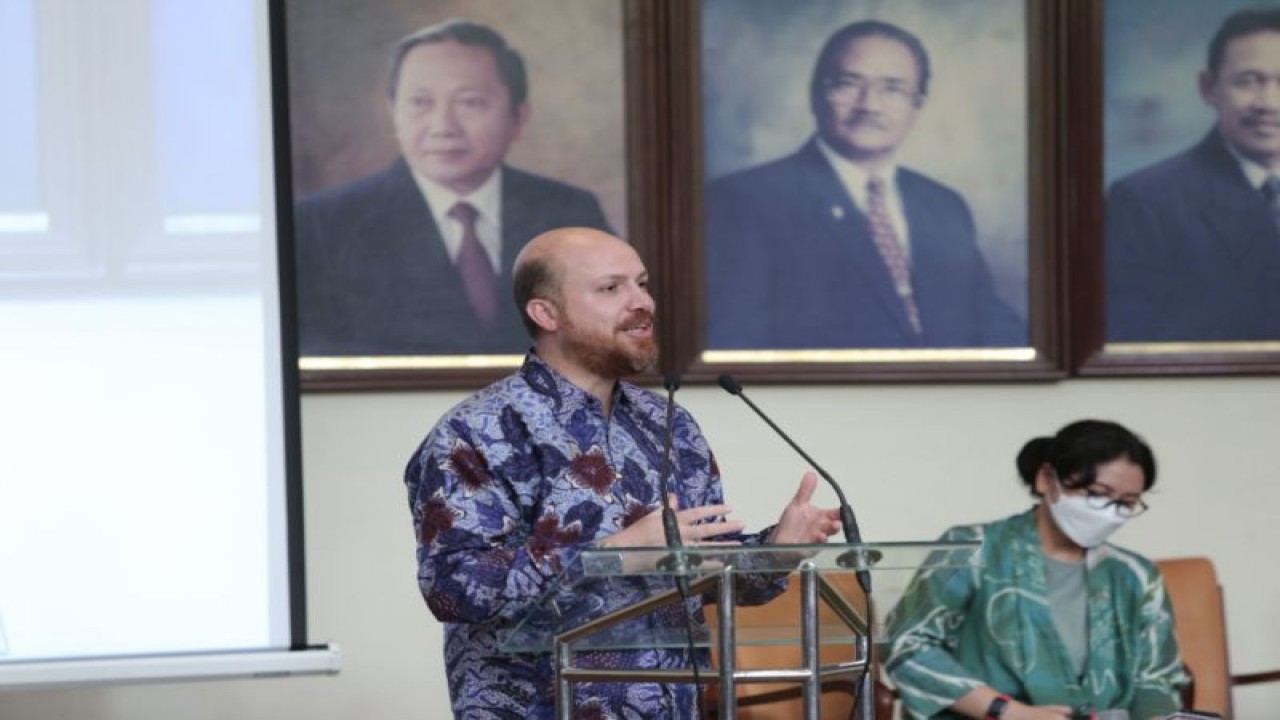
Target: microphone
670 527
852 534
676 562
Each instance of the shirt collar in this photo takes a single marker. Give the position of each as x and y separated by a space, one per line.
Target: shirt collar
566 397
1255 173
853 176
486 199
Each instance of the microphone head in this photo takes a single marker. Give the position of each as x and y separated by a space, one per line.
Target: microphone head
671 382
730 385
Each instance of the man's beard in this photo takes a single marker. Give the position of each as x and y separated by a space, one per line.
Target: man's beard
611 357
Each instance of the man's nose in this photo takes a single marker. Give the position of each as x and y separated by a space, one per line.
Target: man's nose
1269 96
442 120
642 300
868 97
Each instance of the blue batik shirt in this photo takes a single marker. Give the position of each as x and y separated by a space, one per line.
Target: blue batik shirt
505 490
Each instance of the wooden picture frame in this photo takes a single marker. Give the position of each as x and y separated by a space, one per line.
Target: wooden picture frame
1119 127
686 313
590 68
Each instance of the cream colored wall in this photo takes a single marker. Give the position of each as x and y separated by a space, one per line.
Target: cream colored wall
913 459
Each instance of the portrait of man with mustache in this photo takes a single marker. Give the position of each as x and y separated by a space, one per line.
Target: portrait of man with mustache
1193 249
838 245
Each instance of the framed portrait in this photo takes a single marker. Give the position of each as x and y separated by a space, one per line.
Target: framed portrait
420 144
873 190
1179 251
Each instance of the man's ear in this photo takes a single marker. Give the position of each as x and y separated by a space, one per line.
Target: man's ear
1205 81
522 113
544 314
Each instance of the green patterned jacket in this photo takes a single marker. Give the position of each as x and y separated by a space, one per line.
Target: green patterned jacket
956 630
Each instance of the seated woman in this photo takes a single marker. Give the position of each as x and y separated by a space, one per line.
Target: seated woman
1056 622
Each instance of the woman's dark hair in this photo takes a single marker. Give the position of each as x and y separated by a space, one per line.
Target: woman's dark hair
1079 448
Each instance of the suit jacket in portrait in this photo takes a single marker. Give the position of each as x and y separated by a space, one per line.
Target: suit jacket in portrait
374 277
1192 252
791 264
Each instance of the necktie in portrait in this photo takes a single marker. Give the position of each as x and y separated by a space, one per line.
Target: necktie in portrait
1271 191
886 239
474 267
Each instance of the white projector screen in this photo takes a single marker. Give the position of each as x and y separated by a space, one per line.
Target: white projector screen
149 468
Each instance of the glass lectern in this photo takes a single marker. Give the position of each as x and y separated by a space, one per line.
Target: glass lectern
631 598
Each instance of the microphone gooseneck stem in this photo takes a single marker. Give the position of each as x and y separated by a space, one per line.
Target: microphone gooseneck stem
848 523
812 463
675 561
670 526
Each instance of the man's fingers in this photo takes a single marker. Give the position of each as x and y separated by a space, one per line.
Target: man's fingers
706 530
694 526
808 484
698 514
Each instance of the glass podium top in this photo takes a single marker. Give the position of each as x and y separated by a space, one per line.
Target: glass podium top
827 557
765 581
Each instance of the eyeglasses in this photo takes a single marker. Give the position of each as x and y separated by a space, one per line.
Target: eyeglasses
847 89
1124 508
1252 82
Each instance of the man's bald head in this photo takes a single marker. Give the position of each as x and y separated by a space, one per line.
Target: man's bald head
540 265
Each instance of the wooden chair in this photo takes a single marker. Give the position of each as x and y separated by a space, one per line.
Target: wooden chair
1201 626
785 701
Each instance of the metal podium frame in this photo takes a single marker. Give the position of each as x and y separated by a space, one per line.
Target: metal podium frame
702 571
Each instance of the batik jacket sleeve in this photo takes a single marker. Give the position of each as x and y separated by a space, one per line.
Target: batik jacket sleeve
922 634
1158 672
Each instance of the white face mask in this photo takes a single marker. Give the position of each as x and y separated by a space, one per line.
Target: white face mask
1087 526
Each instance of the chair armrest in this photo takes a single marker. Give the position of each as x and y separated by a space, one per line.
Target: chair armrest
1255 678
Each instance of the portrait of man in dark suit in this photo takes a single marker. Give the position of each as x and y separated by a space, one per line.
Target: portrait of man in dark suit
1192 246
414 259
839 246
